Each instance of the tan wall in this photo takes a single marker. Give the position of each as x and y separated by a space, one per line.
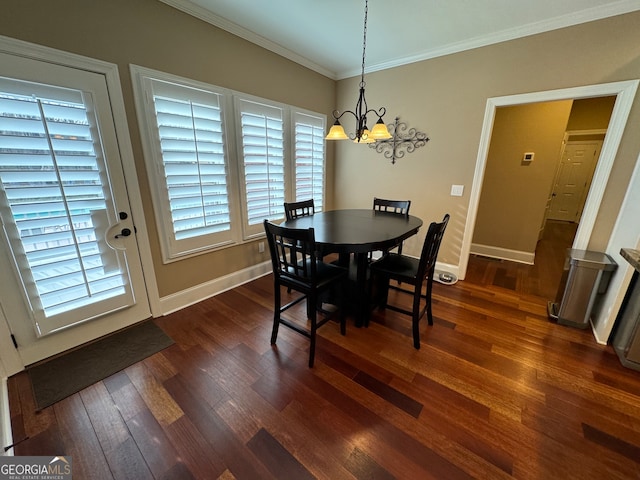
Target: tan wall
446 98
591 113
152 34
514 193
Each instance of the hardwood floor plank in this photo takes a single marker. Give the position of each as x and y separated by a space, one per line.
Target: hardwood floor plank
127 462
611 442
276 458
363 467
105 417
128 400
179 472
48 440
73 422
223 443
390 394
116 381
154 445
314 439
33 421
194 450
164 408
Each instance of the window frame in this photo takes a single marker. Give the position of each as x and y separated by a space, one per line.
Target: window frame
172 248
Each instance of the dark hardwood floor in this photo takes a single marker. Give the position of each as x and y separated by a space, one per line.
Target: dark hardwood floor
497 391
542 278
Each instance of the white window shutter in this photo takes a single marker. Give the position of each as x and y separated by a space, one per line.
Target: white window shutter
309 157
262 141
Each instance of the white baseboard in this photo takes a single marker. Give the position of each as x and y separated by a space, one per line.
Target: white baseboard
5 419
178 301
503 253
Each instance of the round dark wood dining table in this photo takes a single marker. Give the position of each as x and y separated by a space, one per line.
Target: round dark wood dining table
358 232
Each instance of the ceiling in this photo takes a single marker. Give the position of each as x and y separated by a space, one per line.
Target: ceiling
327 35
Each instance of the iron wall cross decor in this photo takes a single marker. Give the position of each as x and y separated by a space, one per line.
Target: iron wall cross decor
403 140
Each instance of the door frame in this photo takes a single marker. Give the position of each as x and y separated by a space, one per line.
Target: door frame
624 91
10 357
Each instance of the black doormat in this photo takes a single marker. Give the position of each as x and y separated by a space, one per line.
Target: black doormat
69 373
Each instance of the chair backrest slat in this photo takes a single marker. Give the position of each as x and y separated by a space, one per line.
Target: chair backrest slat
303 208
401 207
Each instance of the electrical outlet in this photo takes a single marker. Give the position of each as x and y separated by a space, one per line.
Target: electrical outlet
260 247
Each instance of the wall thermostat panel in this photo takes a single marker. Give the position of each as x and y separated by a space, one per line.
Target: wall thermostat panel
528 157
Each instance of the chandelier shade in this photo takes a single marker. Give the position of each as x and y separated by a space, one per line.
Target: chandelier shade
362 133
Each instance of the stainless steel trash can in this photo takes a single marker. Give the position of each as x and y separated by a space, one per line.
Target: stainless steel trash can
586 275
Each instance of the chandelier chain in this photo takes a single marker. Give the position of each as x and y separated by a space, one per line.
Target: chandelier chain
364 41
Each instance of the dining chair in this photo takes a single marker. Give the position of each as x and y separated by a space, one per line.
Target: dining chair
412 271
303 208
398 207
297 266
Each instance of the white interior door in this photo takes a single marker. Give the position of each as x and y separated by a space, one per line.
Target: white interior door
69 262
573 180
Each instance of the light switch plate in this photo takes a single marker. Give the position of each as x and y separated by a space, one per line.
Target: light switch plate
457 190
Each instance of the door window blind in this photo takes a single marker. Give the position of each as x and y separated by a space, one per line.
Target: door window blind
309 158
52 199
262 130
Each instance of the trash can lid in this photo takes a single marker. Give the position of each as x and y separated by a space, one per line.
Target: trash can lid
591 259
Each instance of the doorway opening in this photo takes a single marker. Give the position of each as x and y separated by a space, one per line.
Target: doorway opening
624 93
531 203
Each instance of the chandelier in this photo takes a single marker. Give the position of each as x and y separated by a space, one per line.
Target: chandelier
362 133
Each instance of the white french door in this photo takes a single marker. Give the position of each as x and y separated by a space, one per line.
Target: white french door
69 262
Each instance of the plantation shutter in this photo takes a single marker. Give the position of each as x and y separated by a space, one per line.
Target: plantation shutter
309 158
194 175
53 200
263 154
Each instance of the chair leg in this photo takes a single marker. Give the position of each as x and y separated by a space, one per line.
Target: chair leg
416 315
342 303
429 289
276 313
382 291
312 334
